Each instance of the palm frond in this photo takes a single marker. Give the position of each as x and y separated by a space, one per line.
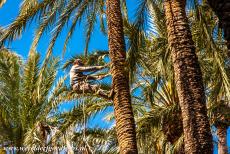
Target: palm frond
2 2
18 26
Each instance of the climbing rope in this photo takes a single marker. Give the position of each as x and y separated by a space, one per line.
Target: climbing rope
85 83
84 117
84 121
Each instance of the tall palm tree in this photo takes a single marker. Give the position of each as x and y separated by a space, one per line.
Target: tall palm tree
188 78
125 125
216 78
222 9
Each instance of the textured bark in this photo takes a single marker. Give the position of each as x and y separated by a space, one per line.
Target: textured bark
173 129
125 125
222 10
197 133
222 139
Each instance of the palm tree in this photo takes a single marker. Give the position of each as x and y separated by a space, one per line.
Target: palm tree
188 78
222 9
160 127
161 46
27 99
9 78
9 87
216 78
125 125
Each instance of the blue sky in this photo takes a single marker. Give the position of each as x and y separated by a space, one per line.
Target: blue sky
76 46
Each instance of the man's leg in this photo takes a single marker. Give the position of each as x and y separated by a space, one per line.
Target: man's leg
97 90
86 88
82 87
76 87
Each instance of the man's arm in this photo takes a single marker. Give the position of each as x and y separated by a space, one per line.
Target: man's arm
89 68
97 77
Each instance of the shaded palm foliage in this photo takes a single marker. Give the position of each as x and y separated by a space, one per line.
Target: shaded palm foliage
160 127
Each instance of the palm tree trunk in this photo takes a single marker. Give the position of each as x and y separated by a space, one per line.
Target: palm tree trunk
197 134
222 10
125 125
222 139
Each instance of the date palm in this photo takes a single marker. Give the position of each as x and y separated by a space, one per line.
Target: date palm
160 128
9 87
27 98
216 78
125 125
188 78
211 52
177 24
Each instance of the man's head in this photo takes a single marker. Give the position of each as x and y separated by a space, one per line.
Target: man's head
78 62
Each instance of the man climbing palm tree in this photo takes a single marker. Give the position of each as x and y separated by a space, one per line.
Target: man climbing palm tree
81 82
